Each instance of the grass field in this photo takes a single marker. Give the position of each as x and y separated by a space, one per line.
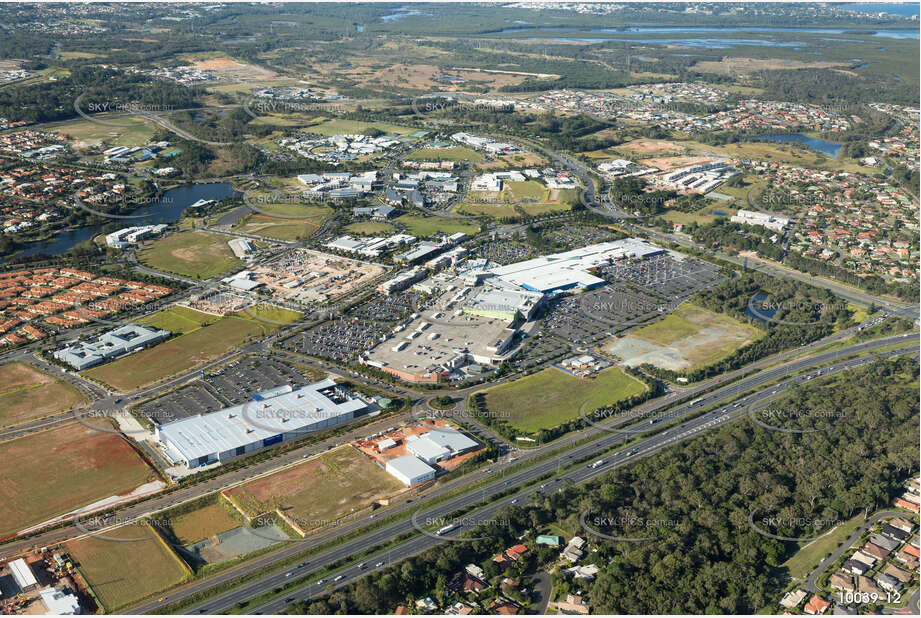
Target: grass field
61 470
489 210
345 479
339 126
274 314
457 153
121 573
180 353
369 228
191 253
27 393
135 132
702 216
688 338
202 523
424 227
547 398
809 555
277 228
178 319
528 190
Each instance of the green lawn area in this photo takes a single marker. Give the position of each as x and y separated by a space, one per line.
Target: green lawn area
489 210
515 191
540 209
178 319
192 253
274 314
703 216
122 573
135 131
278 228
345 478
457 153
27 392
202 523
545 399
370 228
810 555
62 469
180 353
421 226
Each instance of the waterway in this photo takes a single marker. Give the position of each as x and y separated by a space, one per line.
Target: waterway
167 209
829 148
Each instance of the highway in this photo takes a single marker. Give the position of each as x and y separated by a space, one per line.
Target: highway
580 474
518 478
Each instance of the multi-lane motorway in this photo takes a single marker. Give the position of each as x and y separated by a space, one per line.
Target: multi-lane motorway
520 477
578 474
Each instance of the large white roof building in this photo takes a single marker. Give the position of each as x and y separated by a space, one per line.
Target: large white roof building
211 438
570 269
410 470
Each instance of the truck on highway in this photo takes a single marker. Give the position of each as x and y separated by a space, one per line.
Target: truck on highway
597 464
695 402
446 529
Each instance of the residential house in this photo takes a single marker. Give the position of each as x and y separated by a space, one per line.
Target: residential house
840 581
793 599
899 574
816 605
888 582
573 604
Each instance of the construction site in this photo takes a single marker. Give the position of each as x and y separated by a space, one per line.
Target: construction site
306 276
43 582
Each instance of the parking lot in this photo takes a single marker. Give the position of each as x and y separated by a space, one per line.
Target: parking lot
391 308
230 385
665 275
594 315
573 236
339 340
505 252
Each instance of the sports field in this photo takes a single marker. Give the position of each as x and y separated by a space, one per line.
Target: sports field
124 572
424 227
61 470
180 353
457 153
191 253
319 490
205 522
27 392
688 338
547 398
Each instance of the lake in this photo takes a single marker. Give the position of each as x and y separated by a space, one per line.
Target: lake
829 148
167 209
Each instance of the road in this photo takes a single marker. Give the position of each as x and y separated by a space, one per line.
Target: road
518 478
580 474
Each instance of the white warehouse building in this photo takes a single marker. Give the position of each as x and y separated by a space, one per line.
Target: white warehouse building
439 444
274 416
410 470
